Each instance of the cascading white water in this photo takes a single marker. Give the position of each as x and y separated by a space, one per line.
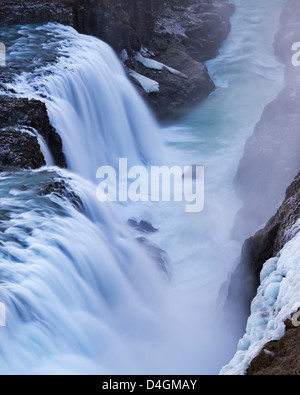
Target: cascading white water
82 296
91 103
80 293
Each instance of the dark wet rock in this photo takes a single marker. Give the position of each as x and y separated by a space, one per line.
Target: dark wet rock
119 23
177 95
59 188
267 242
200 26
157 254
4 217
142 226
185 35
19 149
24 12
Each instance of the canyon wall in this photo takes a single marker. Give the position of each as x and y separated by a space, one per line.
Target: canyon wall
268 182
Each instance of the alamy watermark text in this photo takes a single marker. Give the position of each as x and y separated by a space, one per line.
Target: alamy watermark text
296 56
2 55
2 314
154 183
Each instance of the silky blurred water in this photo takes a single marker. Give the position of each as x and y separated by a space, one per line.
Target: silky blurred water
82 295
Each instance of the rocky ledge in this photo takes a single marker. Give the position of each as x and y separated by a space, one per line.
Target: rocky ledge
184 35
20 121
268 242
258 249
279 358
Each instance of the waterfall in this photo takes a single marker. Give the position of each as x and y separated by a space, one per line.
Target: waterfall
91 103
80 293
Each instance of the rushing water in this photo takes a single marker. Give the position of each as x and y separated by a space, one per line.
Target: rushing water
90 102
82 295
248 76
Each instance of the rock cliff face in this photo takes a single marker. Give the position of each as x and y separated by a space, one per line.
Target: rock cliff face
279 357
258 249
201 25
185 34
34 11
271 159
268 242
18 147
265 179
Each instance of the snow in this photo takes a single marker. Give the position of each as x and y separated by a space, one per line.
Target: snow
41 141
267 352
277 299
145 52
124 56
149 63
155 65
147 84
291 232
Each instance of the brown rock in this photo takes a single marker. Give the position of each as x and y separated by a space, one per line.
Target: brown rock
279 358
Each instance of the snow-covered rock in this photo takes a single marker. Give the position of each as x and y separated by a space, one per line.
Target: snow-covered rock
155 65
149 85
277 299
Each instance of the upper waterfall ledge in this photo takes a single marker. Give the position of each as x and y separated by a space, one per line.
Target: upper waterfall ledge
179 34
